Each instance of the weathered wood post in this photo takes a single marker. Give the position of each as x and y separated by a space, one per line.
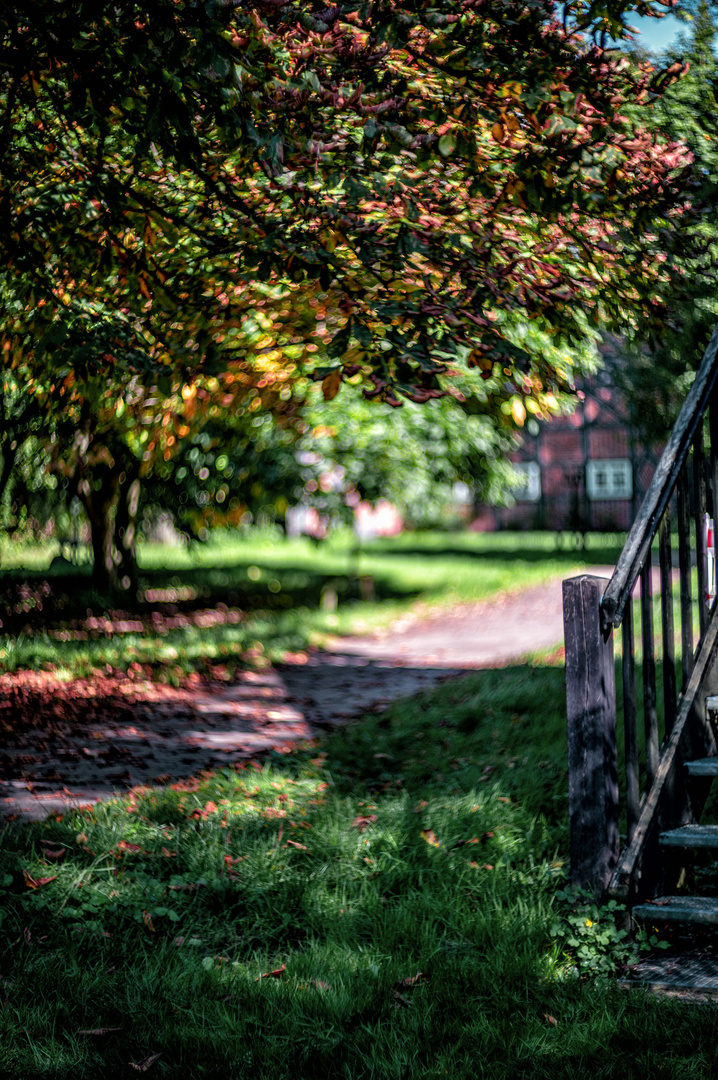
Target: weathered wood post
591 711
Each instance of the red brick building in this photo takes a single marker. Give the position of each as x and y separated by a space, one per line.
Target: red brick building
581 472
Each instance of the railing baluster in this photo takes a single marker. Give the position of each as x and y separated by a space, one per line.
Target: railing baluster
650 712
700 509
629 720
669 651
713 471
684 559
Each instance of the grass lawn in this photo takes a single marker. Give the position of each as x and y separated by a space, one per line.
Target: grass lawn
266 593
388 903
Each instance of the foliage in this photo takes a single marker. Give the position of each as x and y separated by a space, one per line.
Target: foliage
396 176
591 939
655 371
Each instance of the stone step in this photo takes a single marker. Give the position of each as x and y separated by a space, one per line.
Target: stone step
681 909
707 766
679 974
690 836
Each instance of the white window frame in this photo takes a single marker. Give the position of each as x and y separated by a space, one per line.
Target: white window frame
530 489
609 480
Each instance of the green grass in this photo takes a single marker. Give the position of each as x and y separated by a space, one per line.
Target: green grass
169 908
283 595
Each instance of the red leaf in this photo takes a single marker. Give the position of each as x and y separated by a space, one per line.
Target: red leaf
276 974
54 855
551 1019
407 984
301 847
362 822
145 1064
135 849
36 883
147 920
168 854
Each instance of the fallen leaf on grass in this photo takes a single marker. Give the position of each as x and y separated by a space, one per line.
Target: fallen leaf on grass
134 849
276 974
36 883
147 920
54 854
401 1000
98 1031
421 805
27 935
362 822
430 836
411 981
319 984
145 1064
301 847
168 854
551 1019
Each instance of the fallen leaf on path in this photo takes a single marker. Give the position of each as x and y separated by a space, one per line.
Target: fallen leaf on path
430 836
362 822
36 883
98 1031
145 1064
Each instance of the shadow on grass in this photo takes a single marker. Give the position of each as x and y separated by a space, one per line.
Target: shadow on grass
34 601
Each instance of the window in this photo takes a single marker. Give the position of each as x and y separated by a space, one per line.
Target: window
528 481
609 479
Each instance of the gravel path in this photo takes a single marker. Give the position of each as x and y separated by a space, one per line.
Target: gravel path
70 743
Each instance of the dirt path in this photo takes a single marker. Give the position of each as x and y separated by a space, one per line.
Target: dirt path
66 743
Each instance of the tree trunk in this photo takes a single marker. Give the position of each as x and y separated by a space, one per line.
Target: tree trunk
126 526
99 494
110 494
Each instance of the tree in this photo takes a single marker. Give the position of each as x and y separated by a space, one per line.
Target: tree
654 370
415 167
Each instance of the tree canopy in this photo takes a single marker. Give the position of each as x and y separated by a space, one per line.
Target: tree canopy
428 175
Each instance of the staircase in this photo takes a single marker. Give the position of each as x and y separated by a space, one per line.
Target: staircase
634 840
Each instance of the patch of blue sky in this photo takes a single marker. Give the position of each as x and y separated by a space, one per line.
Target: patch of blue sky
657 34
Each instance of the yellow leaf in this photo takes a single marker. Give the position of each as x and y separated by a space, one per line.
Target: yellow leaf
497 132
430 836
518 412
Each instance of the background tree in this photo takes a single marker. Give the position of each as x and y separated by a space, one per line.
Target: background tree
654 370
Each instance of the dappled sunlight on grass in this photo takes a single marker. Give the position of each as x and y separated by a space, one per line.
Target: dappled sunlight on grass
387 901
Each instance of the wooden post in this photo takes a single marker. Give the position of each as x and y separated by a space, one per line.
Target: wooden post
591 711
